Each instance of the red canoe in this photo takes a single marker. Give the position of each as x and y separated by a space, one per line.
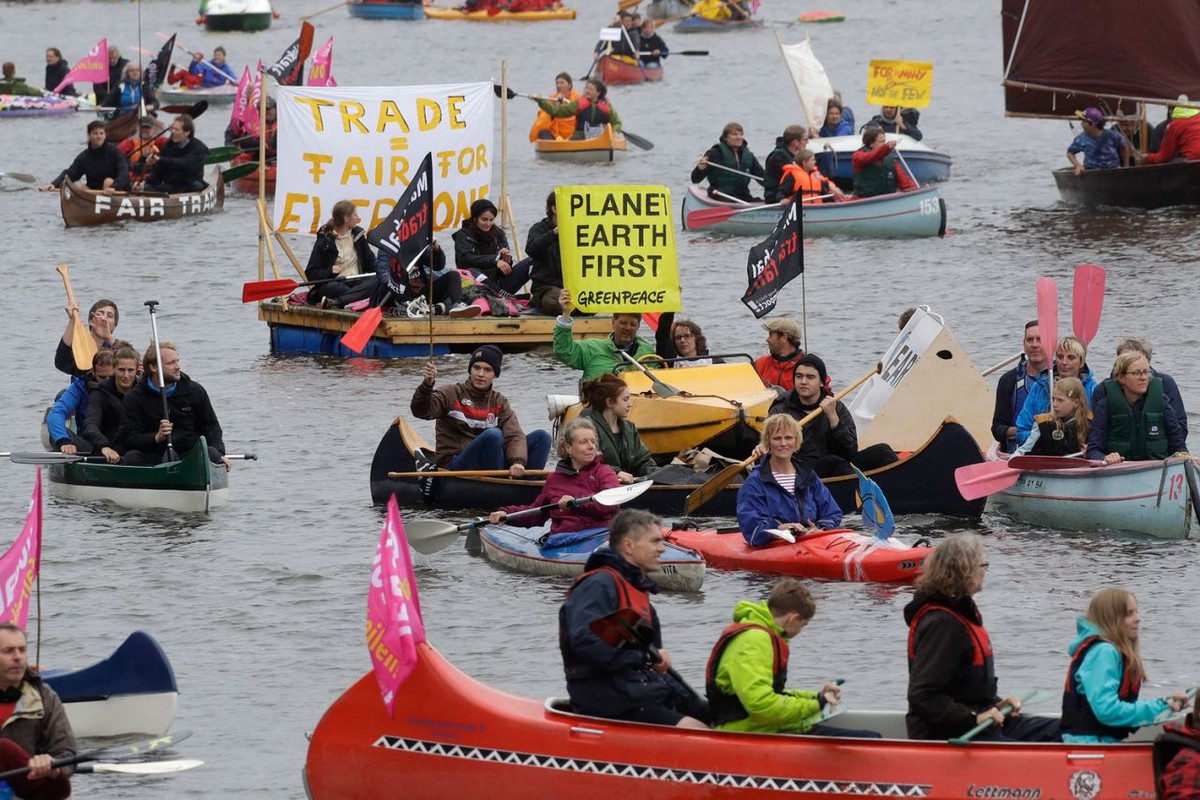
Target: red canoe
622 69
248 184
837 555
452 736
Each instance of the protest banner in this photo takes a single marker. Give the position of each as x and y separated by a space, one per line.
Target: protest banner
773 262
899 83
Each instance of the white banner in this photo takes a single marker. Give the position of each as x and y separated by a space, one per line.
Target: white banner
812 84
908 348
365 143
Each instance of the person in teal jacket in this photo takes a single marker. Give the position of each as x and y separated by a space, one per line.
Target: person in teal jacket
1100 700
597 356
746 677
1070 361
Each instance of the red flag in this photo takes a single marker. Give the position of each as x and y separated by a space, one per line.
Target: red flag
394 627
19 566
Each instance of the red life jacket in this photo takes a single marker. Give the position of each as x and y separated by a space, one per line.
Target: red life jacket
1077 715
981 643
728 707
778 372
629 598
592 114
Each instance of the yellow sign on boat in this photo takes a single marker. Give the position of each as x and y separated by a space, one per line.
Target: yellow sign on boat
899 83
618 248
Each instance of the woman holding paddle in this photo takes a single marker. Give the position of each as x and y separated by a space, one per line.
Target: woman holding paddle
591 112
102 321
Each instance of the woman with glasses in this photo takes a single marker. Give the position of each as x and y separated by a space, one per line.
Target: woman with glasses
951 670
681 342
1132 417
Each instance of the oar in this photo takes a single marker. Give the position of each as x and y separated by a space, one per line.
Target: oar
140 767
637 141
704 217
307 17
83 346
1001 365
713 486
1051 462
233 173
432 535
620 627
979 480
1047 311
218 154
1087 301
169 454
499 90
119 751
360 332
1004 710
263 290
661 389
676 52
470 473
736 171
23 177
49 458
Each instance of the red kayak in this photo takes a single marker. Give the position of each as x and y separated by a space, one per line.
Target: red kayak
622 69
837 555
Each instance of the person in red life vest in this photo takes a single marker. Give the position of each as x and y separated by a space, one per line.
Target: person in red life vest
1177 758
746 677
34 729
623 681
591 112
476 427
778 366
875 169
803 180
138 149
1100 699
951 671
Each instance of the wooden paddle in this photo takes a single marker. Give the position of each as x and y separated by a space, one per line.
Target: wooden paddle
713 486
307 17
83 346
50 457
1087 301
704 217
469 473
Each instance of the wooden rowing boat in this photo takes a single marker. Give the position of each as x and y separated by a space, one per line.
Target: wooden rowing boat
605 148
920 483
386 9
118 129
623 69
888 216
698 24
1149 186
83 207
222 95
1156 498
193 484
448 729
440 12
520 549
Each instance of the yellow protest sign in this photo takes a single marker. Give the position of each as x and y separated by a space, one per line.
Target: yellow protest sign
618 248
899 83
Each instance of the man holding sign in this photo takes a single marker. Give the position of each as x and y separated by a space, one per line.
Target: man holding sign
892 120
892 84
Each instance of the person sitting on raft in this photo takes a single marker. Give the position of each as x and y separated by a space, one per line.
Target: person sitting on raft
1070 361
545 271
875 169
782 497
803 180
73 402
560 128
580 472
1064 431
1132 417
747 670
608 403
591 112
729 156
1100 702
481 247
597 356
341 253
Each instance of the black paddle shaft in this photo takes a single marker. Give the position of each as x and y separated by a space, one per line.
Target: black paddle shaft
162 379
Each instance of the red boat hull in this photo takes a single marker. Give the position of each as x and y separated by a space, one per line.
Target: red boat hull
837 555
455 737
617 70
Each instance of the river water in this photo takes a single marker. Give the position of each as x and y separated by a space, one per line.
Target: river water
260 606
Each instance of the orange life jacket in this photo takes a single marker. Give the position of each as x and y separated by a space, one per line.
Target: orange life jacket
810 186
559 127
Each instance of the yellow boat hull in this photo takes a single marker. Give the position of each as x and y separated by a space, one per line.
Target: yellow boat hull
435 12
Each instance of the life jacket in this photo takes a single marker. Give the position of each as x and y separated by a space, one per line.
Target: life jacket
131 95
629 597
878 177
1077 715
1136 439
727 182
1053 441
1167 745
810 186
728 707
982 663
778 372
559 127
1016 399
589 115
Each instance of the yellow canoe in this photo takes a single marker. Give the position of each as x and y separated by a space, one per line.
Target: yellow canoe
608 146
441 12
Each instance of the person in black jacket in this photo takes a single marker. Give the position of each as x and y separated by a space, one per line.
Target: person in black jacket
105 404
101 161
1013 388
481 246
144 432
56 70
179 164
340 254
545 273
116 68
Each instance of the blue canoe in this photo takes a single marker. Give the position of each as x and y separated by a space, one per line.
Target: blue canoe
366 9
698 24
133 691
518 549
834 154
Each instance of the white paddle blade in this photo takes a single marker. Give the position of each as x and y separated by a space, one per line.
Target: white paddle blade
621 494
430 535
142 767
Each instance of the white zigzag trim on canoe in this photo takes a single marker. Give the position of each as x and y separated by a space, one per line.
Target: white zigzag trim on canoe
641 772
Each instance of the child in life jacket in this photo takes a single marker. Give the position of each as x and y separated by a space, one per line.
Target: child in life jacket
803 180
1063 431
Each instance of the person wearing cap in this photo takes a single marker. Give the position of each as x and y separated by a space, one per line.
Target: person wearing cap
777 367
481 246
830 443
475 426
137 149
212 73
1182 139
598 356
1102 148
179 164
101 162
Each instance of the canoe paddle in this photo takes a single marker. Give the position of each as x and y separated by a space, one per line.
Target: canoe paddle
361 331
1047 315
120 751
50 458
675 53
431 535
1087 301
23 177
633 138
233 173
661 389
83 346
713 486
264 290
736 171
140 767
980 480
217 155
469 473
704 217
1005 710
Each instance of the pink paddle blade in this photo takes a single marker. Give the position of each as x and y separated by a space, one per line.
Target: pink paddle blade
1087 301
979 480
1047 313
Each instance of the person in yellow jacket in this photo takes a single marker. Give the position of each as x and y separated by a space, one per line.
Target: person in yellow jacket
804 180
548 127
746 677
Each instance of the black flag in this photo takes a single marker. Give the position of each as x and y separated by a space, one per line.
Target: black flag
289 69
408 230
773 262
156 71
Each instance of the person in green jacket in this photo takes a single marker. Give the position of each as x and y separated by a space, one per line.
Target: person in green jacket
746 676
597 356
11 84
608 405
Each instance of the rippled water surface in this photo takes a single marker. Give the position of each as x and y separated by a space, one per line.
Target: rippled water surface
261 605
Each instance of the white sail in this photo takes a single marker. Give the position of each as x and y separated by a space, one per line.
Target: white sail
812 84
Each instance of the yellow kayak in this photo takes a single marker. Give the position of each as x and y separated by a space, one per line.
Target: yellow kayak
441 12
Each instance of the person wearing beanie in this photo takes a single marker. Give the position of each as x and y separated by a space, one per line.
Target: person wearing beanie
783 351
830 443
481 247
475 426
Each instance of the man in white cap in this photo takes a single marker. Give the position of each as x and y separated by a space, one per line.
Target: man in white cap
778 366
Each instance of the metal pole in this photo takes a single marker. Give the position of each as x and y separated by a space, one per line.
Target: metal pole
162 381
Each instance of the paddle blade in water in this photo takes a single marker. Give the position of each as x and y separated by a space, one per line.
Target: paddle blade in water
23 177
1087 301
360 333
1047 308
262 290
638 141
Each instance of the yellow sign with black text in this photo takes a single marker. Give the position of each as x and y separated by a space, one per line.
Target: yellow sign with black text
899 83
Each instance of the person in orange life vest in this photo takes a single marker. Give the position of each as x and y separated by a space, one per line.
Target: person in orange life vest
802 179
623 682
137 149
34 729
1100 700
877 169
591 112
548 127
778 366
951 672
476 427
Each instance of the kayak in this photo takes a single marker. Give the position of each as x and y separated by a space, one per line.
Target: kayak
132 692
382 9
623 69
835 154
83 207
520 549
248 184
215 95
605 148
17 105
440 12
668 10
698 24
448 729
887 216
193 484
835 555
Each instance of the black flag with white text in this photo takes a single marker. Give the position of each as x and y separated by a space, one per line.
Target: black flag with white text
774 262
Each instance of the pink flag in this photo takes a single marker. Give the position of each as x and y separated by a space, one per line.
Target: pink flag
239 101
19 566
250 110
394 627
321 71
92 67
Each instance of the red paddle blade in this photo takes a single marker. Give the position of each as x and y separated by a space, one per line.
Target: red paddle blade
307 31
703 217
1051 462
262 290
1087 301
979 480
360 333
1047 308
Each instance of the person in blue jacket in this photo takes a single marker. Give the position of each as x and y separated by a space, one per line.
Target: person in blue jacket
1100 701
1070 361
782 498
73 402
212 73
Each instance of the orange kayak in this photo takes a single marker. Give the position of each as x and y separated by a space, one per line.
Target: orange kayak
622 69
606 147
